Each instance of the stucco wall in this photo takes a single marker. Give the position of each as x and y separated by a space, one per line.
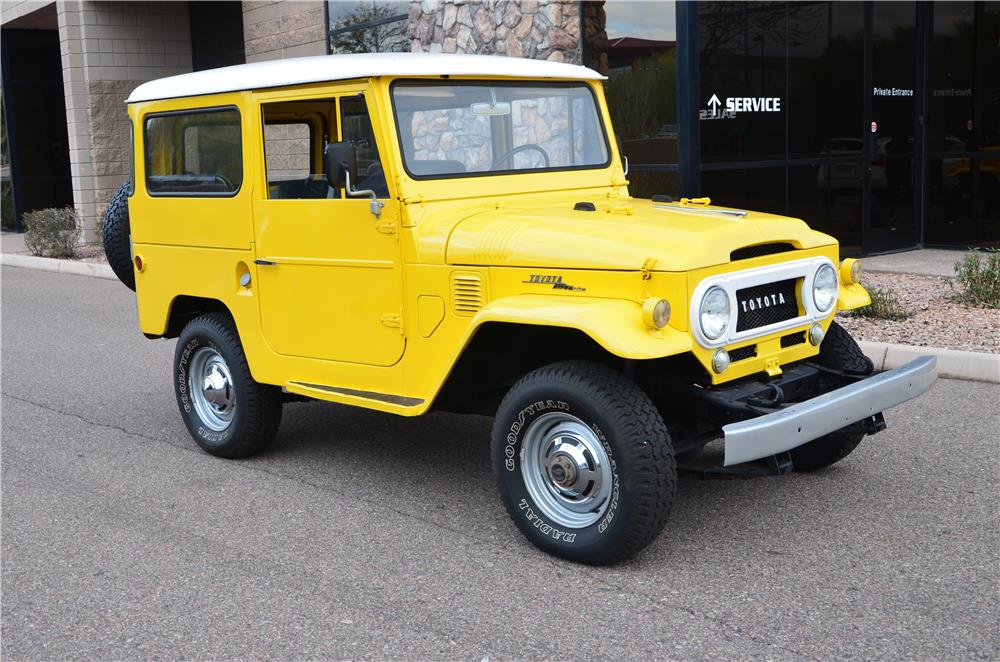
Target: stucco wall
107 49
274 30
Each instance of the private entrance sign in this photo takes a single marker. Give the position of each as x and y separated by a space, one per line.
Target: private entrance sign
717 109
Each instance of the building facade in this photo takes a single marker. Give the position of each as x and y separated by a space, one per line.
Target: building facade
878 122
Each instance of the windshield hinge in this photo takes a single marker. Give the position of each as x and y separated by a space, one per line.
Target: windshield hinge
647 268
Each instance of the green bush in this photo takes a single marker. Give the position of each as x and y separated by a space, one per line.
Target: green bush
979 275
885 305
52 232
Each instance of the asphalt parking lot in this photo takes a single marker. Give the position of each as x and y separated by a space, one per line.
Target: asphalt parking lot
362 535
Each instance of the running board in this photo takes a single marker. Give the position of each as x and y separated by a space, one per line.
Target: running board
399 404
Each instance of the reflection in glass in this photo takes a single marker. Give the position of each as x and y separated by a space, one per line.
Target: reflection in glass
368 27
743 56
633 43
759 189
836 210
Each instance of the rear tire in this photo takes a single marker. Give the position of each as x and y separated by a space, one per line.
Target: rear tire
116 235
584 462
227 412
839 351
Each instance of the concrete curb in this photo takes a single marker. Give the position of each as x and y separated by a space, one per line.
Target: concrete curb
952 363
74 267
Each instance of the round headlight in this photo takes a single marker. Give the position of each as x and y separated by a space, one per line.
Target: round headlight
825 288
656 313
714 313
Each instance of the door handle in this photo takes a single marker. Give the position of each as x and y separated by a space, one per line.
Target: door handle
265 263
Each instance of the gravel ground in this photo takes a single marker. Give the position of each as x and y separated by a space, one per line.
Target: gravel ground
936 320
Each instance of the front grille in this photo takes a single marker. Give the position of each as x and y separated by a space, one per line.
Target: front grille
743 353
762 305
793 339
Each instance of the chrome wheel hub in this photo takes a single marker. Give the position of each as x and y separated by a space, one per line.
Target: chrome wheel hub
212 390
566 470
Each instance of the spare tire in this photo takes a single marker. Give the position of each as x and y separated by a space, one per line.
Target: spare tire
117 237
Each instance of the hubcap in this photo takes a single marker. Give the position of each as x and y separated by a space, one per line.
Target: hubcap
566 470
212 389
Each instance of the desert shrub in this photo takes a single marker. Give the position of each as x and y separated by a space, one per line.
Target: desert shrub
885 305
978 273
52 232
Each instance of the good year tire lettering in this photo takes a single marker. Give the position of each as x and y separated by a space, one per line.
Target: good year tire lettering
515 428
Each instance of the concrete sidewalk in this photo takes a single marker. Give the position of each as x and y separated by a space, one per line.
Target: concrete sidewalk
921 261
12 242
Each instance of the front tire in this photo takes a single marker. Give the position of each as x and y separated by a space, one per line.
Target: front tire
228 413
584 462
839 351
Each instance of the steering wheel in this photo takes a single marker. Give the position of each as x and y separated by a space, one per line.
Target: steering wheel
518 150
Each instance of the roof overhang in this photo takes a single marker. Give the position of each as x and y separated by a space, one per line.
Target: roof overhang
323 68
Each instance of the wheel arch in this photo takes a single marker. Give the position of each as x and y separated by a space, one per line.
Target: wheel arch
183 309
510 338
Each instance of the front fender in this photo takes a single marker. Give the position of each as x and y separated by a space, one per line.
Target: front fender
614 324
852 296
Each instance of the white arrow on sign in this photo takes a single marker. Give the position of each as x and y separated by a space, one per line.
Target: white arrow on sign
715 103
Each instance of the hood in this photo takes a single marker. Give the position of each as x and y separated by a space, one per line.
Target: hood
619 235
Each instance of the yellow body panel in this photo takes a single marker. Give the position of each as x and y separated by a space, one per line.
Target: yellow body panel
343 306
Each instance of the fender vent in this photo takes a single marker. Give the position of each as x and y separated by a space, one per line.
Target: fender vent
466 292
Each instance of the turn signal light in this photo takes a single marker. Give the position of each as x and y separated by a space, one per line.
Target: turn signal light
850 271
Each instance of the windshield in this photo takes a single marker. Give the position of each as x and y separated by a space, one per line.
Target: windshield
461 129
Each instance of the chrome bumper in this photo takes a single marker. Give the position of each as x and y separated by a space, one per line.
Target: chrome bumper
800 423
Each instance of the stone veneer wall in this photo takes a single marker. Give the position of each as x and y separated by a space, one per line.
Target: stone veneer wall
539 29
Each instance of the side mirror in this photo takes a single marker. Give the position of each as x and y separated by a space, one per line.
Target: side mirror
341 163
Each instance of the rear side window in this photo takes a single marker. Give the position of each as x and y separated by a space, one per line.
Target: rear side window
198 153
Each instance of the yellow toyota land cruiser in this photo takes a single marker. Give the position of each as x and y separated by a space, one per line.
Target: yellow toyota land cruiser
410 233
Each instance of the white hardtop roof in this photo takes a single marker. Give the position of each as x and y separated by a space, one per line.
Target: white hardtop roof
321 68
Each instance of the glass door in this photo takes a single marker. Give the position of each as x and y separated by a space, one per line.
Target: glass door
891 142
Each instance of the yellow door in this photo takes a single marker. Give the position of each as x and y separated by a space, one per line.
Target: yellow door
328 270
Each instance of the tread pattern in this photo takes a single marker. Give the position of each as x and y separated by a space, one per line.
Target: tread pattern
261 404
839 351
116 235
642 446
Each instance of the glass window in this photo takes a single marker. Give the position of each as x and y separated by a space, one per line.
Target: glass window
287 150
634 43
825 78
988 97
194 153
743 67
368 27
759 189
952 65
460 129
356 127
827 196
